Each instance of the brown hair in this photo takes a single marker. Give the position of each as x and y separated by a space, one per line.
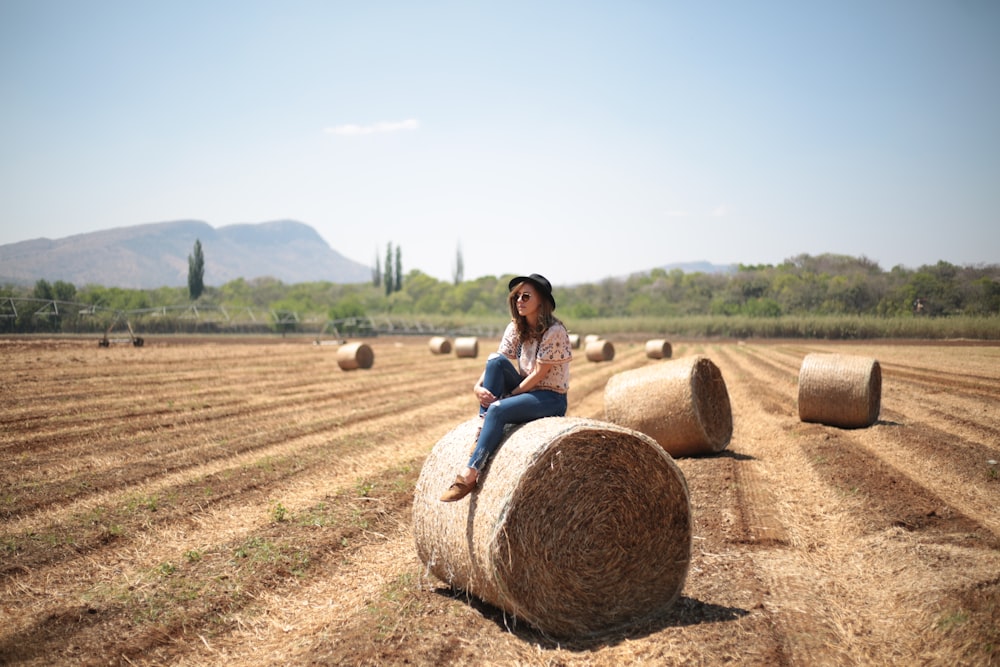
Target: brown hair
545 317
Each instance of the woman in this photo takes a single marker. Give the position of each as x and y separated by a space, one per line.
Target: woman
535 388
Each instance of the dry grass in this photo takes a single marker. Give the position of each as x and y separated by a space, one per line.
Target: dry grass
440 345
558 534
353 356
840 390
247 503
467 347
658 348
682 404
599 350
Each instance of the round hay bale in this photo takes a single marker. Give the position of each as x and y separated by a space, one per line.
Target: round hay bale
440 345
578 526
355 355
574 341
591 337
467 347
682 404
658 348
840 390
600 350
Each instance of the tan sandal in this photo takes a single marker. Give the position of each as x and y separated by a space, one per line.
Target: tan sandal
458 490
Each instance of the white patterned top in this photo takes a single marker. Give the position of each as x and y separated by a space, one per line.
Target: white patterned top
554 349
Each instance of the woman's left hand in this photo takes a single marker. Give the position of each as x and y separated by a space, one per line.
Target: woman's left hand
485 396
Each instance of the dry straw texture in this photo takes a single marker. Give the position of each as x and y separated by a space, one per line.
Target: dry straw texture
355 355
578 526
600 350
682 404
840 390
467 346
658 348
440 345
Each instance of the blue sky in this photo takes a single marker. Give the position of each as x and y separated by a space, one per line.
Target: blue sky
575 139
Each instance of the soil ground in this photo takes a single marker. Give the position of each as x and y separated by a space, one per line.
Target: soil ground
210 502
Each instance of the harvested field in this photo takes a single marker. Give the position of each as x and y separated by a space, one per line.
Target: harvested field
228 501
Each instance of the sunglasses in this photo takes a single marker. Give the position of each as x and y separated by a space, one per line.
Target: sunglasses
523 296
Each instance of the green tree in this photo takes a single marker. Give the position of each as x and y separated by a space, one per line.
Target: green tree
349 306
237 293
982 297
399 270
458 273
196 272
43 290
45 318
377 271
63 291
387 276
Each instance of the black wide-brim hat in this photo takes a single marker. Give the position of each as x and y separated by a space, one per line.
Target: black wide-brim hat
540 282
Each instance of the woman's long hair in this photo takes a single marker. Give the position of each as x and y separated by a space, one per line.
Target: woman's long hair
545 317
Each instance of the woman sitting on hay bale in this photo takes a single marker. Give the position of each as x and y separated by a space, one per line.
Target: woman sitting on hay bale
535 388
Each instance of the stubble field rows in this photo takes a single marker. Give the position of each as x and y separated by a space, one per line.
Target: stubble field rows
247 502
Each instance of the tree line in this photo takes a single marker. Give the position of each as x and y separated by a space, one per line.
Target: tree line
835 285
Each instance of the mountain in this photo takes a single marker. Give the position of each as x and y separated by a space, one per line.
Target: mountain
687 267
156 255
700 267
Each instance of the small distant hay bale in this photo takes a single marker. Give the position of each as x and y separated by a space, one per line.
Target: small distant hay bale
590 337
574 341
840 390
578 527
600 350
440 345
683 404
658 348
355 355
467 347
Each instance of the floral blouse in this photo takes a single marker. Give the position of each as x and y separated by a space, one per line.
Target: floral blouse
554 349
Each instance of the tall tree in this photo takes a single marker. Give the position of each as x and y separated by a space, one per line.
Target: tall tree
399 269
63 291
377 271
458 273
389 284
196 271
43 290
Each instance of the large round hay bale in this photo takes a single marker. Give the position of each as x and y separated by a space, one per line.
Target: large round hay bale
682 404
467 347
578 526
355 355
440 345
840 390
574 341
658 348
600 350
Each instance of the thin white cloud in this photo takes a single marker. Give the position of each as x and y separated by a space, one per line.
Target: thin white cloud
719 211
352 130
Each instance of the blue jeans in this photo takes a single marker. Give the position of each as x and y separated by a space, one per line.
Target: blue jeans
501 378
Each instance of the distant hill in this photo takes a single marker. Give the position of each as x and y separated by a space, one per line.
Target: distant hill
700 267
688 267
156 255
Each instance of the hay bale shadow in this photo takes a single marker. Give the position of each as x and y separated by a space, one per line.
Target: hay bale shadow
686 611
